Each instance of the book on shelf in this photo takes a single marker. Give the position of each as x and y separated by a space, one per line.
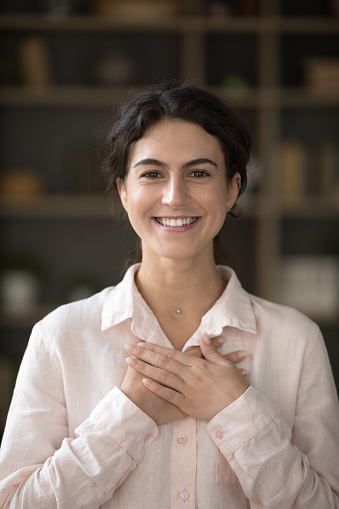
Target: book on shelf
321 75
310 283
309 169
293 167
36 63
325 170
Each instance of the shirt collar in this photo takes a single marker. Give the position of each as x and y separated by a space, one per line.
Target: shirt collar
232 309
124 301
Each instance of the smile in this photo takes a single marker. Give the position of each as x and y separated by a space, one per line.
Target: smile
185 221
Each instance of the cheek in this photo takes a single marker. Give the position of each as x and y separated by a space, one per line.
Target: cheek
218 199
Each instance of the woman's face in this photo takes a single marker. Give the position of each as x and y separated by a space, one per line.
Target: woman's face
175 192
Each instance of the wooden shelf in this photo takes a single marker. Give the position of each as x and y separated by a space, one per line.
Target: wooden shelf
60 207
311 207
194 24
93 97
26 318
72 96
99 97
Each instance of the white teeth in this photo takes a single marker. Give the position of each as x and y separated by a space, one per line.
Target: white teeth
176 222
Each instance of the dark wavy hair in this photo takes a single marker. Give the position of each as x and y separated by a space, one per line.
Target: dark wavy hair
180 101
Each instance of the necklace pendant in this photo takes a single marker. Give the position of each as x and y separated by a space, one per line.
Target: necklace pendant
178 311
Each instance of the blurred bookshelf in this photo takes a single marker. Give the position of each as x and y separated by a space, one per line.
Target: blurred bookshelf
65 67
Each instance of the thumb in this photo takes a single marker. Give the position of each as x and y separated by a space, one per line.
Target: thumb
209 350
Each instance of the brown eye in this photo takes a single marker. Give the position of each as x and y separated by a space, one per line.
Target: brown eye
152 175
199 173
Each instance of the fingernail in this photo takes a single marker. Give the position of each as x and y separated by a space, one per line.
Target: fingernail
143 344
129 348
131 361
218 341
207 339
244 372
147 382
241 355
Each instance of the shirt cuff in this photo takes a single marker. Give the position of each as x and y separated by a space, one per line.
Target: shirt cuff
241 421
125 423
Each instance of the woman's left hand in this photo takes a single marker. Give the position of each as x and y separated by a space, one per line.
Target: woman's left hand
199 387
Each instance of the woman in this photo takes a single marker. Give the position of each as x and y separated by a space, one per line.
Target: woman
182 424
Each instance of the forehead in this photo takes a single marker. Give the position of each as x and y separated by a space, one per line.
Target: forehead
176 137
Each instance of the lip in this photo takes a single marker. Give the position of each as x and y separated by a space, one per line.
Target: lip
176 229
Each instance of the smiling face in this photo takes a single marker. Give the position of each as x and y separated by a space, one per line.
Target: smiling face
175 193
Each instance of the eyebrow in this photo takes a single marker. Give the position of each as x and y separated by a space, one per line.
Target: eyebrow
156 162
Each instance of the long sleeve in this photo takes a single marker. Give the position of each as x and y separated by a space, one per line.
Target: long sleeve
281 466
39 467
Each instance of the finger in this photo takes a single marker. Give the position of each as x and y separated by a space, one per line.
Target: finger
244 372
235 357
160 375
218 341
195 351
209 351
158 355
170 395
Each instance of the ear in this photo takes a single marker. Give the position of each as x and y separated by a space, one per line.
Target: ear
121 186
233 189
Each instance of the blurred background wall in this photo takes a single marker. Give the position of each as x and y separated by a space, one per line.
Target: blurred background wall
64 67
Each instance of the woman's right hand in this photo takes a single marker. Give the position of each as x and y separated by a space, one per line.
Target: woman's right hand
156 408
161 411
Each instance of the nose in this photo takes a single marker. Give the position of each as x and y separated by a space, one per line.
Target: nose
175 192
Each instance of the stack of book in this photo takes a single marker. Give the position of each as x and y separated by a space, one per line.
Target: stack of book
310 284
322 75
309 170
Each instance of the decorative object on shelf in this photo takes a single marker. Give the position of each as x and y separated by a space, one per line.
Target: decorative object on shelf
321 75
137 9
293 166
235 84
325 169
36 64
82 287
20 284
219 9
22 184
311 285
114 67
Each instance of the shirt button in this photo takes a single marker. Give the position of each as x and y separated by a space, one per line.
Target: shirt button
182 440
219 434
184 495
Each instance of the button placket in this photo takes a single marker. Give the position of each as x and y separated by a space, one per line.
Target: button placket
184 463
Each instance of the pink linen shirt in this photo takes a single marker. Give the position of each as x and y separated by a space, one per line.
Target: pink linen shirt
74 440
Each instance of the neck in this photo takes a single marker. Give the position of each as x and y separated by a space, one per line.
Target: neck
191 285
